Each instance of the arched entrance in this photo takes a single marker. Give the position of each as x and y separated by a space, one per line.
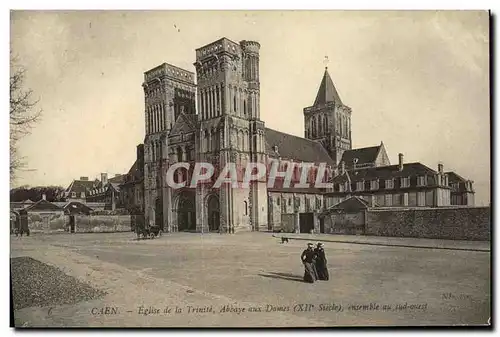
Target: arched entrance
213 213
186 212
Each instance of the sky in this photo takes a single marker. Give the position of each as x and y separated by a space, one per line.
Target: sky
416 80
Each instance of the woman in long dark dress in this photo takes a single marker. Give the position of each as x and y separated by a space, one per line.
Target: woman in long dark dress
321 267
308 258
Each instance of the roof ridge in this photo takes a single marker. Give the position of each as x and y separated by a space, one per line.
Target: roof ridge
392 165
289 134
363 148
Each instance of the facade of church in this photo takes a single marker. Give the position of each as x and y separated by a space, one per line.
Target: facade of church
217 120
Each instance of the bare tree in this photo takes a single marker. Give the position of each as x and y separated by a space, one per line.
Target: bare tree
23 114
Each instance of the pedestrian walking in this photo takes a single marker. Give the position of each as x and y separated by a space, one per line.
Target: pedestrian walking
321 267
308 258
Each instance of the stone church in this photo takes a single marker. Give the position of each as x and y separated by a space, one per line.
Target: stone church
217 120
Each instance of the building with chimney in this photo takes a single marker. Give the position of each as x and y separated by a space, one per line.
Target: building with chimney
401 185
462 190
77 190
107 191
217 119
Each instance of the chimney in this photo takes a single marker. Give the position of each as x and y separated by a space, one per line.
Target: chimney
440 168
44 197
401 157
84 178
342 167
104 178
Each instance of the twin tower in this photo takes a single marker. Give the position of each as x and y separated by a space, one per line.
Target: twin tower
224 127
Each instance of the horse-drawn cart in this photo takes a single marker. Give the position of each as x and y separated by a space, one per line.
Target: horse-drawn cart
146 231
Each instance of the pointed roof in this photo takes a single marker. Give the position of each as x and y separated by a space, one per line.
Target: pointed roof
183 124
353 203
77 208
364 155
43 205
327 92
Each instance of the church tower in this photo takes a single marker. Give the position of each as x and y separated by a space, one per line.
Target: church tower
328 120
168 91
230 132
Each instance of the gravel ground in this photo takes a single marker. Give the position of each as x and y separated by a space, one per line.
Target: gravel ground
37 284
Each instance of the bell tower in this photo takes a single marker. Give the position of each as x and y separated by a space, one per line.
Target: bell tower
168 90
231 132
328 120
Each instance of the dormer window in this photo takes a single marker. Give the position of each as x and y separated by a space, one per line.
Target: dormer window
405 182
389 183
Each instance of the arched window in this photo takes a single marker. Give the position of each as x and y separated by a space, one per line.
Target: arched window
245 205
179 154
158 150
215 139
245 107
245 141
234 101
205 140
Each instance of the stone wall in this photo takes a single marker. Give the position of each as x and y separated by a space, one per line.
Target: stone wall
136 221
345 223
46 222
102 223
470 223
288 222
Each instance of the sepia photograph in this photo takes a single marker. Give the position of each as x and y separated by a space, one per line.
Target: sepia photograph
250 168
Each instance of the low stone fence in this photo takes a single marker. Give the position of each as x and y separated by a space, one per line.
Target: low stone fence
464 223
102 223
45 222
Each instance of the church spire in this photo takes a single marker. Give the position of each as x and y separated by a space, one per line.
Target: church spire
327 92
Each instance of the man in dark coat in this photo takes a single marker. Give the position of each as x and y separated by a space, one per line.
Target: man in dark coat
308 258
321 268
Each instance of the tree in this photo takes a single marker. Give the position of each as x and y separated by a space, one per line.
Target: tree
22 193
23 114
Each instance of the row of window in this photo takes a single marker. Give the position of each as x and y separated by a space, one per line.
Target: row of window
309 202
420 199
389 184
96 191
91 192
73 195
